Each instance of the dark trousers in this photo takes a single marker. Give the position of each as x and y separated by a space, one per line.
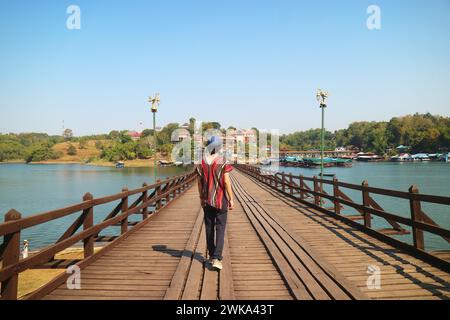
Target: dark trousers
215 223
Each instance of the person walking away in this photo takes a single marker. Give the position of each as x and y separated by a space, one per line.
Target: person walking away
216 197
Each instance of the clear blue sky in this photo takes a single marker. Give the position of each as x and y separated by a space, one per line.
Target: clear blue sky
242 63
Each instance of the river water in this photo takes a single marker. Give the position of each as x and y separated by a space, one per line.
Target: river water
32 189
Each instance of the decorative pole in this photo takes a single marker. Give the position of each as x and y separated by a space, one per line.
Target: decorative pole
321 96
155 100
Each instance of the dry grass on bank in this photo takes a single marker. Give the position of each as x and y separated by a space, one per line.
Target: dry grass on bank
32 279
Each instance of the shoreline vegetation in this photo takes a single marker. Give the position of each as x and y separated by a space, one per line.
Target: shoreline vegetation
422 133
139 163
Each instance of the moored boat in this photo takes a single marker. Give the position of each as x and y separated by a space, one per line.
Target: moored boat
165 163
420 157
368 157
120 164
403 157
343 162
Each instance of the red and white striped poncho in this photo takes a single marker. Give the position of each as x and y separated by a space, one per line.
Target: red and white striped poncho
213 185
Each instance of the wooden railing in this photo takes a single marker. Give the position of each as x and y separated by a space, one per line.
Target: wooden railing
154 196
419 221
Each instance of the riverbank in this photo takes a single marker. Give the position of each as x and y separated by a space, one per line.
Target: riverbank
138 163
32 279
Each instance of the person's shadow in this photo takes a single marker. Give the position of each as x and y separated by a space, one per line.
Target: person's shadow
181 253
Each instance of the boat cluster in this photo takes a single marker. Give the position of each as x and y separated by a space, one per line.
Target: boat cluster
295 161
404 157
347 161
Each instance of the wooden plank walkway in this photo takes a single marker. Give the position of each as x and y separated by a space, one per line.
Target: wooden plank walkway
352 251
275 248
142 266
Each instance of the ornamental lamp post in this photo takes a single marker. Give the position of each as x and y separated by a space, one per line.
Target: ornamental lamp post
321 97
155 101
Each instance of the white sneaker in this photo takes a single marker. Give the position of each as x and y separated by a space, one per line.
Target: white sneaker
217 264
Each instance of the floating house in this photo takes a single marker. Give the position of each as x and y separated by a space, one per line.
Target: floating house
368 157
420 157
403 157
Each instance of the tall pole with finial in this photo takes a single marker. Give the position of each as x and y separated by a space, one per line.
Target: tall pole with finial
321 97
155 100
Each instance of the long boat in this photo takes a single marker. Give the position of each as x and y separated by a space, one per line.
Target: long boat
420 157
368 157
403 157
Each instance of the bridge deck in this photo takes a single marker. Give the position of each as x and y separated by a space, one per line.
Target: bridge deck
275 248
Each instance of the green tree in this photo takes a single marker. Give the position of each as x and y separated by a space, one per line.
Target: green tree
41 152
71 150
124 137
143 150
68 134
147 133
114 135
11 150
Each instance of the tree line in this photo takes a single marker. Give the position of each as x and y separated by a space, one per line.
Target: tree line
421 132
114 146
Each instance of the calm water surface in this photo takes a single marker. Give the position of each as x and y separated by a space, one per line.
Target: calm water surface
32 189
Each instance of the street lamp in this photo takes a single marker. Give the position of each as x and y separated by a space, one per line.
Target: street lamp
155 100
321 97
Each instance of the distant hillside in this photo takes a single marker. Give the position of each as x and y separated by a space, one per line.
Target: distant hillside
82 154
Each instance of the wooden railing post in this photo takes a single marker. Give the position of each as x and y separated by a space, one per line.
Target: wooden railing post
175 191
124 208
366 203
11 256
275 176
168 186
302 187
291 182
316 189
178 184
157 193
337 205
416 215
144 199
88 222
283 182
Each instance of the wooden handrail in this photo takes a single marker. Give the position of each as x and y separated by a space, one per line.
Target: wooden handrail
31 221
14 224
419 220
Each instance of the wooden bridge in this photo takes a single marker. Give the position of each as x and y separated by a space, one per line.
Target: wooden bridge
316 153
282 242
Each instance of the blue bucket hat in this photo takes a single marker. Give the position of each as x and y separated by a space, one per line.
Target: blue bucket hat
214 142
